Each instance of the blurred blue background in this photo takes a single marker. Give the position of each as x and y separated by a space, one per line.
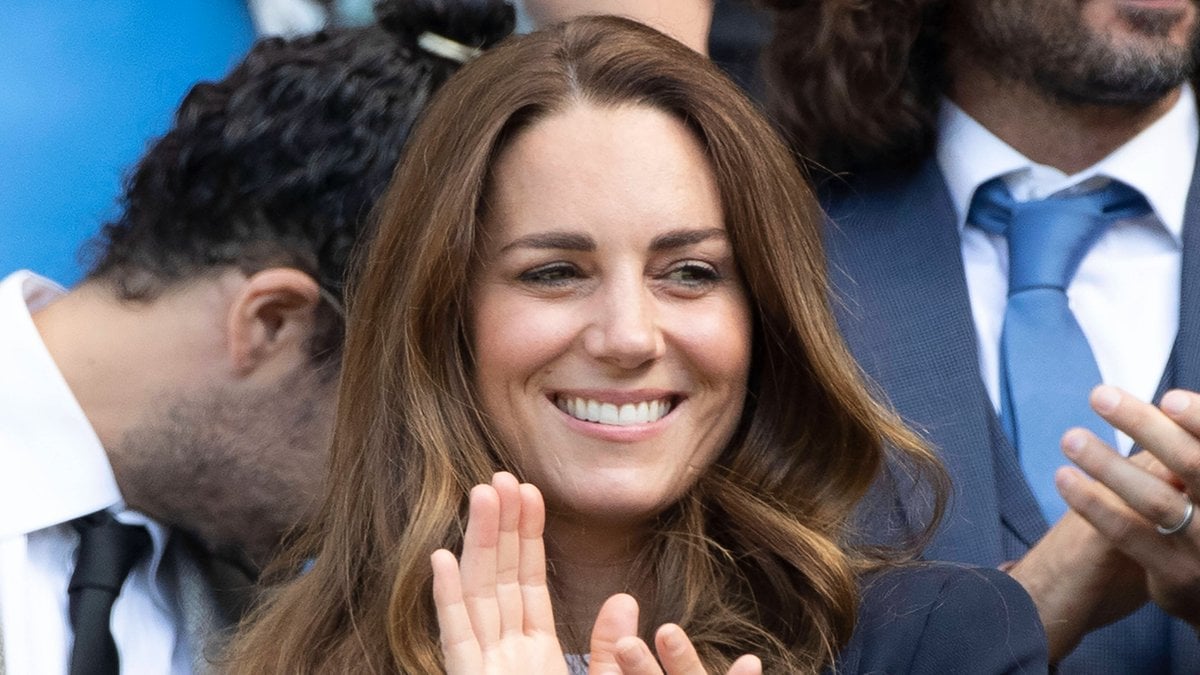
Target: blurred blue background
84 86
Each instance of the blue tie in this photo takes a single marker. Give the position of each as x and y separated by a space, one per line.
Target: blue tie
1046 365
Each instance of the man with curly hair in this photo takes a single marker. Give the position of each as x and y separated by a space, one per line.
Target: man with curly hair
164 424
940 128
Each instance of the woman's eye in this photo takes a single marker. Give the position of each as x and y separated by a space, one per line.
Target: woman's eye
550 275
694 273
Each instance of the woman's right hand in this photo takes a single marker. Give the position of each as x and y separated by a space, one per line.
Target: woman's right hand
493 606
494 610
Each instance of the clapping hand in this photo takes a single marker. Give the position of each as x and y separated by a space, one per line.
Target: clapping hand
1143 504
494 608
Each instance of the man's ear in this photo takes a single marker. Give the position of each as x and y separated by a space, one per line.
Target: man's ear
271 319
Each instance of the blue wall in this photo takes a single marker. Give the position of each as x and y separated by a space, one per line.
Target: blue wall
84 86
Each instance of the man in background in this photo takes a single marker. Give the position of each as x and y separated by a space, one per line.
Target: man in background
952 136
164 424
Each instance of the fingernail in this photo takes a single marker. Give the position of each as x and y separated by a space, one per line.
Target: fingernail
1073 442
672 637
1105 399
1065 478
1175 402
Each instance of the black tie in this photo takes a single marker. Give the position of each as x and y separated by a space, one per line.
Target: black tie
107 551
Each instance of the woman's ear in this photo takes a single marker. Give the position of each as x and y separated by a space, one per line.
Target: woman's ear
271 319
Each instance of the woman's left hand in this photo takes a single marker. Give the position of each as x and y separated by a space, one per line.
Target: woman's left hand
676 652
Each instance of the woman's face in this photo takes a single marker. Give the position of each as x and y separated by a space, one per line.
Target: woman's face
610 327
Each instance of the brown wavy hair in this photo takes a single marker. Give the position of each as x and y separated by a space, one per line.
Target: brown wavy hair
854 84
756 557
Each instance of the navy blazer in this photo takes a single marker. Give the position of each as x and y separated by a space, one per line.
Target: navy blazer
900 296
940 619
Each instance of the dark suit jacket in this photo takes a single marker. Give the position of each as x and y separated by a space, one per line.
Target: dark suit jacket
941 619
739 33
901 299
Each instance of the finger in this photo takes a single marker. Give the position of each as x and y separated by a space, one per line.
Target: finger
1153 430
1171 562
478 566
618 618
1153 499
508 554
1128 530
535 594
459 647
1150 464
1183 407
634 657
748 664
676 651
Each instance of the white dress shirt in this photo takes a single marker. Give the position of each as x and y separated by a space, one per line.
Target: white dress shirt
1126 292
53 470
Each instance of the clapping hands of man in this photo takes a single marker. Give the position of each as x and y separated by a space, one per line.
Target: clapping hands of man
1128 536
1143 505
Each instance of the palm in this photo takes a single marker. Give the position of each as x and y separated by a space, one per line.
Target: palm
494 609
538 653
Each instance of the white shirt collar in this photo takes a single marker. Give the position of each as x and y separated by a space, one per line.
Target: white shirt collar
53 468
1158 162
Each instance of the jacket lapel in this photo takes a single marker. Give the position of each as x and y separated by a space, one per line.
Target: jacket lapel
901 299
212 595
1184 369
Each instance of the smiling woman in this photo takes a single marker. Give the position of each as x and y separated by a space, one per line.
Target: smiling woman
610 328
598 269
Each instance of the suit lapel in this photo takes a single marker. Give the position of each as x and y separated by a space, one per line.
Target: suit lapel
212 596
1184 369
901 298
200 615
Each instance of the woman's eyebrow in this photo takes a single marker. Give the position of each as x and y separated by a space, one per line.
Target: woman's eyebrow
568 241
572 241
682 238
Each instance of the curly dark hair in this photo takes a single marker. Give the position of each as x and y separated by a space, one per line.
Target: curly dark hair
854 84
280 162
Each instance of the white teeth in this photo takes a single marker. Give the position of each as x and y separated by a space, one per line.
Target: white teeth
627 414
611 414
608 414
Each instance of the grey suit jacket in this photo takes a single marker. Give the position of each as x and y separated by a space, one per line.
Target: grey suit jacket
213 595
901 299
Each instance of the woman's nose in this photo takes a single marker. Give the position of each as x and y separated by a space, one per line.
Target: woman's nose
625 330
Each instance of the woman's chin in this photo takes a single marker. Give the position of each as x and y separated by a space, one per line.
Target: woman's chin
607 505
